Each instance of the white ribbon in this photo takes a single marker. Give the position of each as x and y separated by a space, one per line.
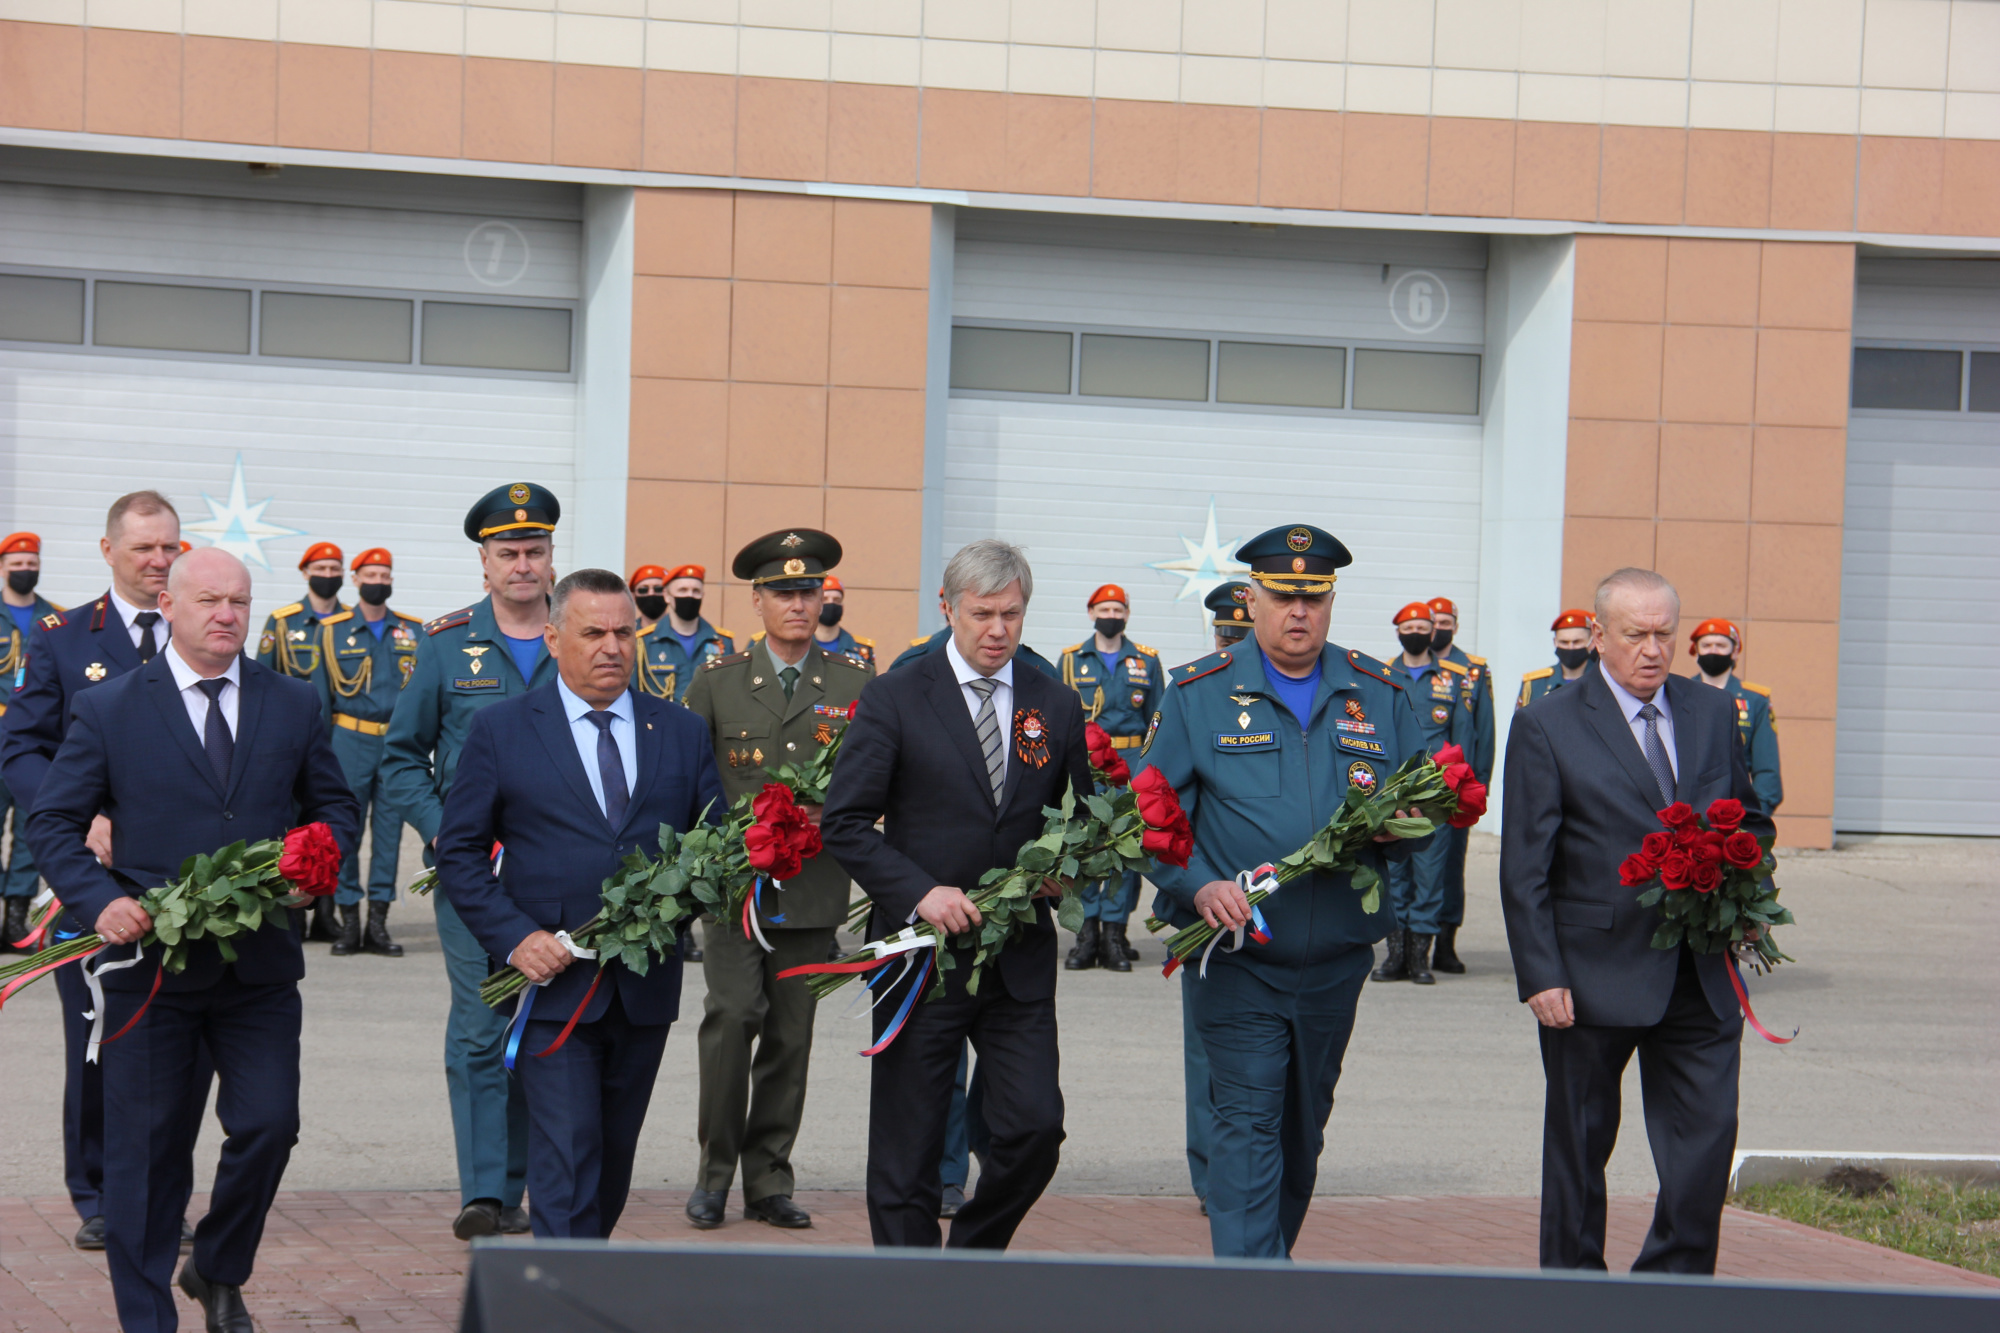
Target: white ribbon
757 927
906 942
521 1008
96 1011
1249 881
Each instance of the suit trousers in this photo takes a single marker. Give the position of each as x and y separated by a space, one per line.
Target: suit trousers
253 1033
1274 1056
1200 1105
965 1132
1416 883
910 1087
360 756
1688 1066
1453 911
489 1116
755 1049
586 1104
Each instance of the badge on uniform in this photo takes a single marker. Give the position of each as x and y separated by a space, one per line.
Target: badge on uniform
1031 737
475 651
266 643
841 711
406 665
823 733
1354 711
1360 743
1441 714
1249 740
1151 727
1354 728
1361 777
94 672
1138 698
477 682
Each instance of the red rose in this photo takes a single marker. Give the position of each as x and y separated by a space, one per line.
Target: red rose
311 860
1454 775
1449 755
1635 870
1677 869
1471 804
1707 876
1656 845
766 805
1168 836
1173 846
783 836
771 851
1098 741
1742 849
1678 815
1725 814
1706 848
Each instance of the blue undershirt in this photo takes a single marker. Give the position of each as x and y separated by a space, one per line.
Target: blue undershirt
1295 693
1111 660
24 617
525 652
688 641
376 627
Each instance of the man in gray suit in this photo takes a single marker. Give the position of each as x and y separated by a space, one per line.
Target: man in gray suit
1588 769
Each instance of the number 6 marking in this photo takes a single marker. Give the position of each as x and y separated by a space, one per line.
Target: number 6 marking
1419 302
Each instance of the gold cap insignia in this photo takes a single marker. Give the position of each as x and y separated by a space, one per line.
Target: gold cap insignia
520 516
1298 564
794 567
518 494
1298 539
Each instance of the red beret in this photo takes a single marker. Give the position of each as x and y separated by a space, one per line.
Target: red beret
1715 626
1444 606
828 583
1414 611
644 572
319 551
21 541
374 555
1110 592
698 573
1573 619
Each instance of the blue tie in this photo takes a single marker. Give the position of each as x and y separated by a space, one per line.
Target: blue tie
215 737
610 769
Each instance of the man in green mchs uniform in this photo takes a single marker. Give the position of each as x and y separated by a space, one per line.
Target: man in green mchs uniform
1444 717
475 656
1572 633
831 636
1229 603
367 656
1715 647
1120 683
781 702
1262 743
682 639
1477 684
21 563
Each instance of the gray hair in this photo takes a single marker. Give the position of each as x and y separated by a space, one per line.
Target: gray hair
600 581
1637 580
985 567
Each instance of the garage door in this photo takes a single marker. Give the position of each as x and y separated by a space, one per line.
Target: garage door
1919 726
289 360
1131 400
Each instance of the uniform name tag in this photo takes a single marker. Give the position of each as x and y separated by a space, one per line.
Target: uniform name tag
1360 743
477 683
1246 740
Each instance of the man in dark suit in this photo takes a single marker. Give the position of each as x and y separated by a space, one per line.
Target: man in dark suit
197 749
69 653
1588 769
957 753
571 777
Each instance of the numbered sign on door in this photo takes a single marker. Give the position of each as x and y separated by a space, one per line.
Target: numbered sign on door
496 254
1419 301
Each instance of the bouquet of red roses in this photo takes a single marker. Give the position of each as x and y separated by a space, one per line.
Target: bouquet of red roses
1106 765
767 839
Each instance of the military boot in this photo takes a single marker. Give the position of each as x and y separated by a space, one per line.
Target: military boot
1085 953
320 925
1417 959
1446 959
1125 944
1116 953
17 923
1392 962
376 938
348 941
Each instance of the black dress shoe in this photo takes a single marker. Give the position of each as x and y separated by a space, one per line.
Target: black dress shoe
778 1210
220 1303
187 1235
481 1217
704 1208
514 1221
953 1200
90 1236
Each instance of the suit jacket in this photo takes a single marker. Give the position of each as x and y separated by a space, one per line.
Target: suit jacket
520 782
912 759
69 653
1580 796
132 753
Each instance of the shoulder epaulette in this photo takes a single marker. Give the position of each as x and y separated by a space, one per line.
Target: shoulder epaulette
1203 666
920 639
1764 690
758 637
1150 652
1073 648
1369 666
336 617
866 643
1451 666
1540 673
54 621
1476 661
847 659
729 660
405 615
291 610
722 633
449 620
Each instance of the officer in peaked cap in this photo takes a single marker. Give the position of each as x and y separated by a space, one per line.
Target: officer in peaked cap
1262 742
1230 605
1715 645
467 659
1572 635
781 701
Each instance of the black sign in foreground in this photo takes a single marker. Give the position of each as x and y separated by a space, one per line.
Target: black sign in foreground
594 1287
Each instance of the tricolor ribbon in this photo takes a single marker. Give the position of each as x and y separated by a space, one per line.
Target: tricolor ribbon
753 905
527 1004
1265 879
92 977
1749 1014
904 944
52 909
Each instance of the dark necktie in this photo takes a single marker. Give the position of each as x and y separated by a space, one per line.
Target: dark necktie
987 724
145 620
610 769
790 677
1656 754
215 737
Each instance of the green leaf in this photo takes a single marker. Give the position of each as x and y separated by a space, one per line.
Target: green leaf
1069 912
1371 901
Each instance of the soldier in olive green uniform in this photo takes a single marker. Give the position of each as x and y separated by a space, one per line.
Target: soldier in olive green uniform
780 702
367 656
1715 646
1477 684
682 639
1572 633
472 657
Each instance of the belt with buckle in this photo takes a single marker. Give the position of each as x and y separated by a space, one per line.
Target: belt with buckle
1127 742
356 724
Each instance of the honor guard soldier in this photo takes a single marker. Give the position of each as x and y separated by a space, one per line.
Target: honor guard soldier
1230 605
1120 683
290 641
1715 647
1262 742
367 656
649 593
682 640
1437 691
780 702
1478 686
21 560
1572 634
831 637
475 656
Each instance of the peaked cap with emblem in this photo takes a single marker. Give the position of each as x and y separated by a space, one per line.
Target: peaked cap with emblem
1228 602
1296 559
518 509
788 560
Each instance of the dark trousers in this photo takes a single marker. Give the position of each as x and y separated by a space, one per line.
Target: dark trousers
1688 1065
910 1094
1200 1108
83 1097
1274 1055
965 1133
1454 880
360 757
586 1104
253 1033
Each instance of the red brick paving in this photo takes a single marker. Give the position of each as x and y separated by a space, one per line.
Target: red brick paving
377 1260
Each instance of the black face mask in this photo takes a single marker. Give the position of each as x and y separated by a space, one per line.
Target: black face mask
1572 658
23 581
324 585
1440 640
829 613
1714 664
374 593
1109 626
652 605
1416 645
687 608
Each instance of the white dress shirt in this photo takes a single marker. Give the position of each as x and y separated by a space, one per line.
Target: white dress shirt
1003 697
130 615
1629 704
186 680
624 734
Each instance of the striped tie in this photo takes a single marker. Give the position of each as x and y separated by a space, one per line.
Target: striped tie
1656 753
987 724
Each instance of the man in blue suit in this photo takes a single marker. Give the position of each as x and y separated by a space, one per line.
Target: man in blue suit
197 749
571 777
